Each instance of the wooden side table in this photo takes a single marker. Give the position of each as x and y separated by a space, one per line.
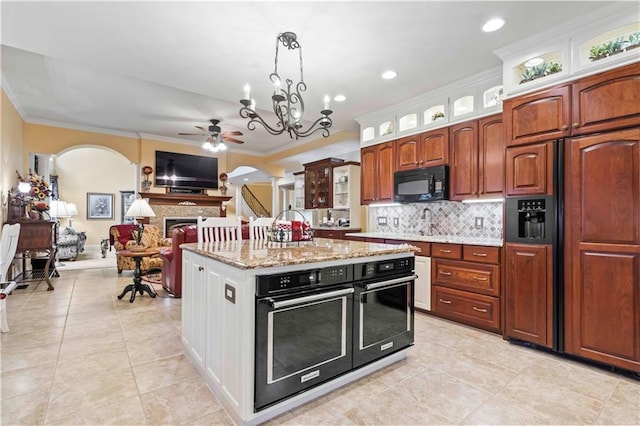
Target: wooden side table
137 285
37 239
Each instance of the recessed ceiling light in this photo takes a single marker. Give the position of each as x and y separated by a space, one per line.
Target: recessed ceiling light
388 75
533 62
340 98
246 179
493 25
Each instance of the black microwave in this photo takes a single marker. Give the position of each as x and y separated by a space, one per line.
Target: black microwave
420 185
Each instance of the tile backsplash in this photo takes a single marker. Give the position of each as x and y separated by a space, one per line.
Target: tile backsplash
447 217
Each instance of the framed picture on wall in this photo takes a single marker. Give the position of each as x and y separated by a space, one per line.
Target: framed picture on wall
126 199
99 206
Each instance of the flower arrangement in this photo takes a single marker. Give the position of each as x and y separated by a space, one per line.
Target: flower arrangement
39 188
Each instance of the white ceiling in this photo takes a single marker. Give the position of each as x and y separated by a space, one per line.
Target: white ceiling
160 68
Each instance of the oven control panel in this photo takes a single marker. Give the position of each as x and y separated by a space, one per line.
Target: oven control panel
384 268
298 280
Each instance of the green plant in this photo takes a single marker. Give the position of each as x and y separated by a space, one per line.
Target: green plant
633 40
538 71
437 115
613 47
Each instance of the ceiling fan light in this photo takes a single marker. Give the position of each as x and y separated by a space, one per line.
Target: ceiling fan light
222 146
206 145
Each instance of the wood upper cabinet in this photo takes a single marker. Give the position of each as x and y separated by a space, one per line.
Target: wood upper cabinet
377 167
318 183
528 293
463 172
407 153
602 240
539 116
491 145
423 150
606 101
529 169
477 159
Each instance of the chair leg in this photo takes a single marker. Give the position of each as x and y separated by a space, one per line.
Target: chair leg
4 325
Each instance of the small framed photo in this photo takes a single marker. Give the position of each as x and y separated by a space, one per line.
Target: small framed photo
126 199
99 206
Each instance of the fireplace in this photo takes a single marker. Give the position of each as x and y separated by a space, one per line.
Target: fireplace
175 222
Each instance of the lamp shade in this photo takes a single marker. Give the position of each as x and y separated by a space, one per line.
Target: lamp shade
24 187
72 209
58 208
140 208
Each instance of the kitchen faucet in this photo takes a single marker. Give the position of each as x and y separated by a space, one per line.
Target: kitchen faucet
424 217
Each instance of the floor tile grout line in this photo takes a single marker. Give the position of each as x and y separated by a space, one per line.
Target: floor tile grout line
55 373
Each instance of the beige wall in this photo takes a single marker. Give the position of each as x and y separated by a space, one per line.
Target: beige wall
43 139
264 194
93 169
11 153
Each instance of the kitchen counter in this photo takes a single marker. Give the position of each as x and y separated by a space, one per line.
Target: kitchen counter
219 313
451 239
252 254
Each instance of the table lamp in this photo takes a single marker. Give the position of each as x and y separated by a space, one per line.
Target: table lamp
58 209
140 209
72 209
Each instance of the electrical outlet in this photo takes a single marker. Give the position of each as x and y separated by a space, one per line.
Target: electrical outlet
382 220
396 221
479 222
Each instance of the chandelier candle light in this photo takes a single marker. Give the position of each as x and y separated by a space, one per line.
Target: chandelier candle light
287 102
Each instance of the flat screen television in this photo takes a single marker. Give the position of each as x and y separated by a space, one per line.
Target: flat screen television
186 171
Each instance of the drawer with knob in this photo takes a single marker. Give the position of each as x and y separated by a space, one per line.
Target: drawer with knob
481 254
470 308
476 277
446 251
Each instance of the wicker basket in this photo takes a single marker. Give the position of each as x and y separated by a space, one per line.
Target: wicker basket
290 231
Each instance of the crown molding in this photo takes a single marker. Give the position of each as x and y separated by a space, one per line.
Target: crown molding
81 127
12 97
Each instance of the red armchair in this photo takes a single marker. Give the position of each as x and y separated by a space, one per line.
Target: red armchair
172 258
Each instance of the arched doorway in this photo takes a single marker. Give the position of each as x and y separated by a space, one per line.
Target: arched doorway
91 169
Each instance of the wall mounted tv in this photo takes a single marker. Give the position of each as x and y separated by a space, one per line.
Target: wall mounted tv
186 171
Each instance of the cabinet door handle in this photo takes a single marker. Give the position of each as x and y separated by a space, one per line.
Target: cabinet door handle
447 302
576 125
446 273
445 251
200 268
480 254
479 310
480 278
564 127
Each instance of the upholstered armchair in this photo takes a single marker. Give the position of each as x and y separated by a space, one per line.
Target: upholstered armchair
123 237
70 243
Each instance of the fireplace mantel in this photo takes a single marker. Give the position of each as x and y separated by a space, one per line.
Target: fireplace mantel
184 199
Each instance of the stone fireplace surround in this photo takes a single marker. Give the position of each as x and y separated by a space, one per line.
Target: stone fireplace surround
183 206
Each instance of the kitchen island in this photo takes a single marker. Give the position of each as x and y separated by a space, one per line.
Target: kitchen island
221 323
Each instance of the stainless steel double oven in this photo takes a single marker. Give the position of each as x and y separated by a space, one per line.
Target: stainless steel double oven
314 325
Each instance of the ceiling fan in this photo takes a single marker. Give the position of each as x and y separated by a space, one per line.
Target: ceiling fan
215 136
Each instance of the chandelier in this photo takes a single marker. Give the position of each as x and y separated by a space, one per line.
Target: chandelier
287 101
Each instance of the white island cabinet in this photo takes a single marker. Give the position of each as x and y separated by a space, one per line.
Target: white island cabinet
219 313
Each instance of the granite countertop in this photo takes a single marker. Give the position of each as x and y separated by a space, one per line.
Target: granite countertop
451 239
252 254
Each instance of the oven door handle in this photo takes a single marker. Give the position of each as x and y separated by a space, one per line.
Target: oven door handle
306 299
389 282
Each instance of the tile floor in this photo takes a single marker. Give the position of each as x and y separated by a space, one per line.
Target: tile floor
80 356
